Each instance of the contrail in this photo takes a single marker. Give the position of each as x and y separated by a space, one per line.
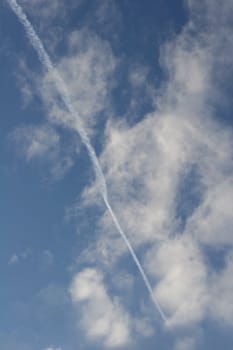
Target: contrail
60 85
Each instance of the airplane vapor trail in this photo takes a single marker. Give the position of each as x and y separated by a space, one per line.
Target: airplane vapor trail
61 87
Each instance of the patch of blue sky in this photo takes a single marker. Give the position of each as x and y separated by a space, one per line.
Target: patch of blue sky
189 195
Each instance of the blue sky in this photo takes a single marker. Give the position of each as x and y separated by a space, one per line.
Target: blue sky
150 84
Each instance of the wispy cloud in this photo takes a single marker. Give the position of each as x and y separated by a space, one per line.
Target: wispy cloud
87 71
13 260
183 140
36 141
145 165
43 143
75 122
17 258
185 344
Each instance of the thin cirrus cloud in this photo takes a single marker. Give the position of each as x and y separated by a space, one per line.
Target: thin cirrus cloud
182 140
43 143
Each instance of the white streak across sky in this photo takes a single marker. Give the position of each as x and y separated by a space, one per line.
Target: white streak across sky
61 87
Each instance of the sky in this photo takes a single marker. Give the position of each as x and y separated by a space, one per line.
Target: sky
116 127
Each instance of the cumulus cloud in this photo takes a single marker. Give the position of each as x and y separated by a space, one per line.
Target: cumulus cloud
147 164
103 318
212 220
182 289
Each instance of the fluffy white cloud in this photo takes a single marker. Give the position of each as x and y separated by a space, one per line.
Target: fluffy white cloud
146 166
103 318
182 289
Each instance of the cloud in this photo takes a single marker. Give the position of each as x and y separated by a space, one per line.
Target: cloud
48 12
182 287
212 220
37 141
50 18
14 259
103 318
43 143
47 259
221 307
87 71
182 140
185 344
146 165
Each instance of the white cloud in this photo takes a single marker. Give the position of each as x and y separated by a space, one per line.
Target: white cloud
37 141
44 9
221 307
191 71
43 143
181 273
103 318
212 221
185 344
14 259
146 164
87 71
